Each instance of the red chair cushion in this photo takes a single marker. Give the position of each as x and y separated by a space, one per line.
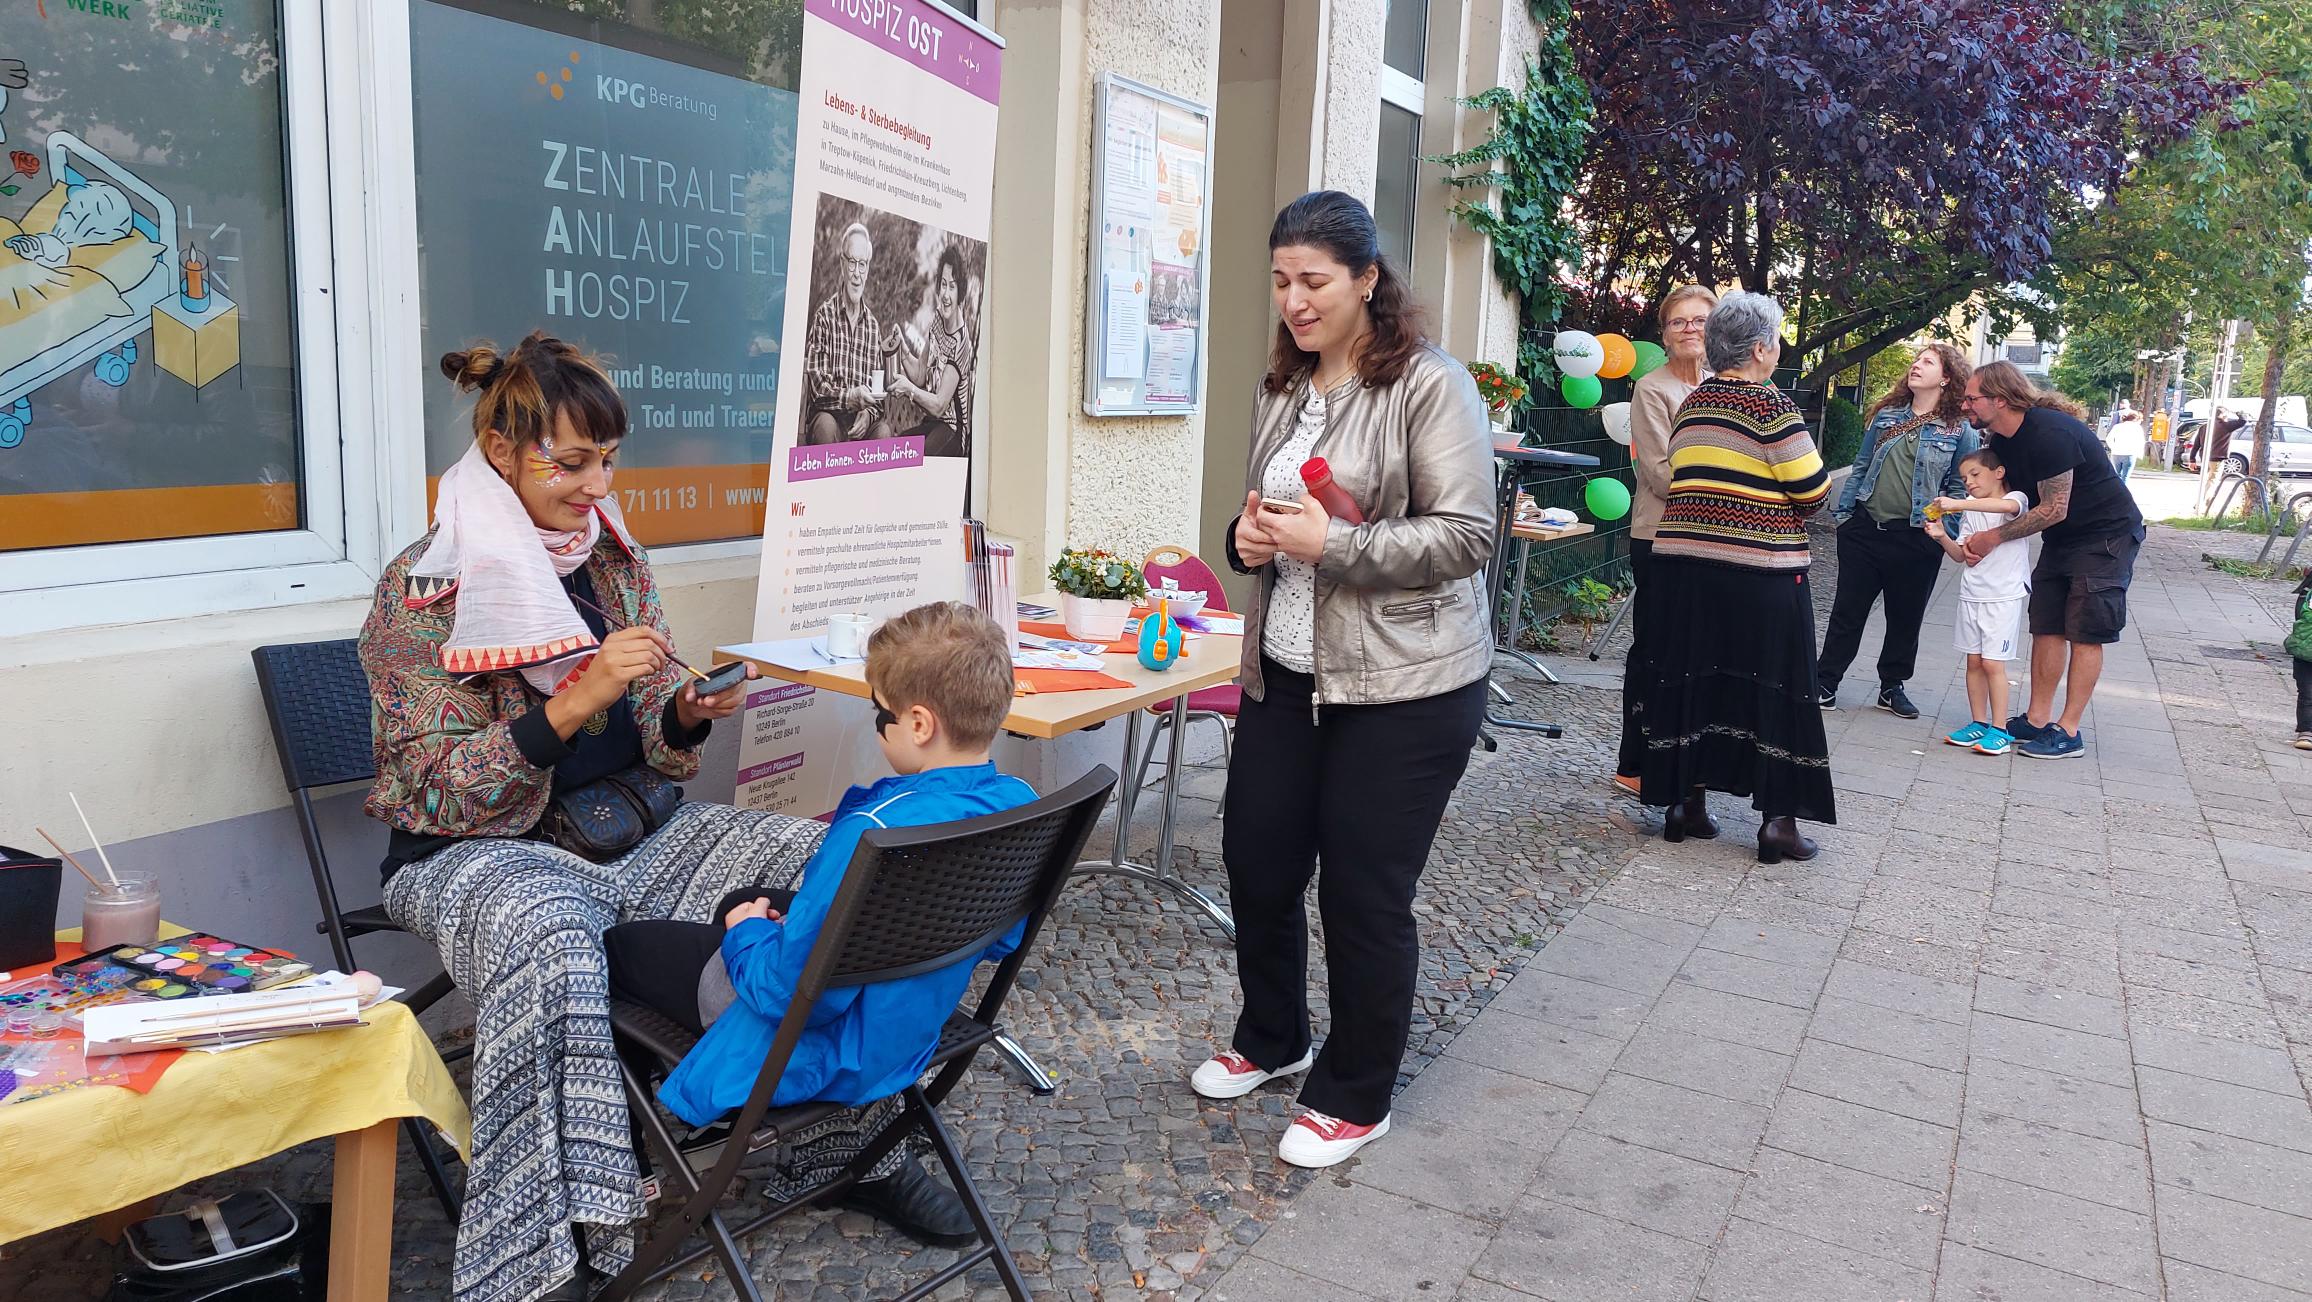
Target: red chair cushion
1222 700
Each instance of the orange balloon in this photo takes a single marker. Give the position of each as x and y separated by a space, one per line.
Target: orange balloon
1621 355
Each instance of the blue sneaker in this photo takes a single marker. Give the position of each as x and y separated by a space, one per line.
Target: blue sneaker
1993 742
2022 729
1968 735
2054 743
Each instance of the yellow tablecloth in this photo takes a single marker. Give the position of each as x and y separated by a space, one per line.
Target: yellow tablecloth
79 1154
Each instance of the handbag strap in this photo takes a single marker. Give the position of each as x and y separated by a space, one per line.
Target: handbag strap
213 1220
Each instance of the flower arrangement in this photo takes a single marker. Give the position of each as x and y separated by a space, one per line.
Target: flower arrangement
1097 574
1500 388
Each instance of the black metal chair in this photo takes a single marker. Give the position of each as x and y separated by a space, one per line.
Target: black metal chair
913 900
318 701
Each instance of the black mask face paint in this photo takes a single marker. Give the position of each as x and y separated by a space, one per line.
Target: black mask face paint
884 718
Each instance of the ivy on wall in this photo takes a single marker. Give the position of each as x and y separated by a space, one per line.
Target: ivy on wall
1533 162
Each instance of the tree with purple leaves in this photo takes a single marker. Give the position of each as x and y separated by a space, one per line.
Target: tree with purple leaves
1873 163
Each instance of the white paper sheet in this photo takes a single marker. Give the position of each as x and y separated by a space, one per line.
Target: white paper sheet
797 653
1124 355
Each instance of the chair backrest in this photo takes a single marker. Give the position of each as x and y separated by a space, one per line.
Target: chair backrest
917 899
318 700
1188 570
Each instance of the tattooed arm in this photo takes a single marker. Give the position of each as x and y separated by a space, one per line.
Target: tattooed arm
2054 506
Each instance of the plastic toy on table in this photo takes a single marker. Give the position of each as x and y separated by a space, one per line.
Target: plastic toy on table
1161 639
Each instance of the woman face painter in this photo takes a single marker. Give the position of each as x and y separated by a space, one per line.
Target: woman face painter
530 722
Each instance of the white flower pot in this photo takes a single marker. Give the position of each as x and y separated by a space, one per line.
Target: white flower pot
1092 619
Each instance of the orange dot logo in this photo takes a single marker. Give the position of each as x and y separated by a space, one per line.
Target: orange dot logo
554 82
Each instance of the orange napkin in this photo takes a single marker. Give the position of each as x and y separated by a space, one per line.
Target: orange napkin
1030 682
1121 646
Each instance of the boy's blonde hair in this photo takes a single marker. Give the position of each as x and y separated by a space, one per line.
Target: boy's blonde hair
950 659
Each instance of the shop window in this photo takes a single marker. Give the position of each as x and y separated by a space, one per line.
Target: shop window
617 172
1404 56
149 323
1405 37
1393 184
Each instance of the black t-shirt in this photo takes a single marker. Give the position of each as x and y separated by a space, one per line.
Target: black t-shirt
2049 443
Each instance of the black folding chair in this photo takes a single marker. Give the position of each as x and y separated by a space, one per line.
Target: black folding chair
318 701
914 900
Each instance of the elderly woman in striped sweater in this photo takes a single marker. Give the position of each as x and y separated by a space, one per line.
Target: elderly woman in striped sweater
1730 699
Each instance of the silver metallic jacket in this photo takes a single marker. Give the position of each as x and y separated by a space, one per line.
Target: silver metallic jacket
1401 610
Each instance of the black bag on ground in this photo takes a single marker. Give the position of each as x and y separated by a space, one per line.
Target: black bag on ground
247 1247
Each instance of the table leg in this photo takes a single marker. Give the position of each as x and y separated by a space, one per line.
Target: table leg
1118 863
113 1224
361 1214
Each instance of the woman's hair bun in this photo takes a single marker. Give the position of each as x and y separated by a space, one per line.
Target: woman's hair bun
472 368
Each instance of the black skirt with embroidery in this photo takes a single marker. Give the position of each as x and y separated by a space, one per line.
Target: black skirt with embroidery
1729 704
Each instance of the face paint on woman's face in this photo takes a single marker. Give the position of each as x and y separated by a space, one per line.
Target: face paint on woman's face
545 471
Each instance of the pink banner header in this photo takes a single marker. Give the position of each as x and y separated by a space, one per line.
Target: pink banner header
827 460
928 37
774 695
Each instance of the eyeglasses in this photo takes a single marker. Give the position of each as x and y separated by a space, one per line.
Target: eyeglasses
860 263
1687 322
884 718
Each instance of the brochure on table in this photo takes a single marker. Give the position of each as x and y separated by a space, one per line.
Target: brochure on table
893 195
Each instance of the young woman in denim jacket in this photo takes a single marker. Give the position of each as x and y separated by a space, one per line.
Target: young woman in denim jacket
1917 431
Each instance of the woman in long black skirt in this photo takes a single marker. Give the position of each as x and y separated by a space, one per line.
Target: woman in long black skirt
1730 705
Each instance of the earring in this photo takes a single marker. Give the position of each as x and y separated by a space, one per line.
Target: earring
1368 296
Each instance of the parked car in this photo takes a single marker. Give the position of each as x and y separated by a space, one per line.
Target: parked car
2291 448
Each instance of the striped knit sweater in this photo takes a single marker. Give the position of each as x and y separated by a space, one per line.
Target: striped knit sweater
1744 476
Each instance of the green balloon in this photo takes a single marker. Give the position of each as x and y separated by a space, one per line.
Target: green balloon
1649 357
1607 499
1581 390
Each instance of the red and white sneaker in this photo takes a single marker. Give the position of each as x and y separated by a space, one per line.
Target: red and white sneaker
1230 1075
1318 1140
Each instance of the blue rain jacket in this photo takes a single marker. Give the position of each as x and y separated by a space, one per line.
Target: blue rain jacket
862 1043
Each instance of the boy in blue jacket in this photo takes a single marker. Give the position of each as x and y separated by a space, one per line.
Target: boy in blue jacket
941 680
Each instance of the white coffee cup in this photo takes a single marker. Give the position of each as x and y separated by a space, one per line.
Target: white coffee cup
847 632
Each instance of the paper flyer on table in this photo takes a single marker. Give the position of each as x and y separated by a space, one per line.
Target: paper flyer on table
893 195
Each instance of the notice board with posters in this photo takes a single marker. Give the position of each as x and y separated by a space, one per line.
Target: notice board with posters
1151 219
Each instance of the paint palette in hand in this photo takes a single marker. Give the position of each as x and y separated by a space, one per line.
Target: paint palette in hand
199 964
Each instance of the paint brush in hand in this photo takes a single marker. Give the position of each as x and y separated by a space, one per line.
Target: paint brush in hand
612 621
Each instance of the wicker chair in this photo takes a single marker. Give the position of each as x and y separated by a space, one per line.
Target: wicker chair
913 900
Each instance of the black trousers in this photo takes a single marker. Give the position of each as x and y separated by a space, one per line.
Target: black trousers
1635 668
1361 789
2303 695
1898 563
657 962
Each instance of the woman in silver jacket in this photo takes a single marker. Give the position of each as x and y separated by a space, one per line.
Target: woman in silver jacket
1366 650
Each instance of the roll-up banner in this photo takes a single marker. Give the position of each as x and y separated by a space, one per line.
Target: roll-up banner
880 374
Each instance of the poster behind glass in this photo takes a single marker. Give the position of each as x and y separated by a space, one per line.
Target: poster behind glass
147 349
628 190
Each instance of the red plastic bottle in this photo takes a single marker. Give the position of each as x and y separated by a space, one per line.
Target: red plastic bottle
1318 476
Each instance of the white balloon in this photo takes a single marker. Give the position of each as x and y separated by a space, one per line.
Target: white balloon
1617 416
1577 352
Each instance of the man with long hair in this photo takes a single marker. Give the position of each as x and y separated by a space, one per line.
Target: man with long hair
2092 533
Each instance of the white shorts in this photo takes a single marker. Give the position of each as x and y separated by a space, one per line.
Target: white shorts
1990 629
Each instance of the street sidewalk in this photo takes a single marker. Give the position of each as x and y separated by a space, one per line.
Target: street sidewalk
2026 1030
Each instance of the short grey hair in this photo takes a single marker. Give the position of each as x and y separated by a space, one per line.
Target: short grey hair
1741 321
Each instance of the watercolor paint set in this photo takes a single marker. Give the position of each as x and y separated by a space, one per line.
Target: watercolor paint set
195 964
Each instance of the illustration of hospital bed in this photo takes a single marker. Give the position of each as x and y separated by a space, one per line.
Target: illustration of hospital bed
54 320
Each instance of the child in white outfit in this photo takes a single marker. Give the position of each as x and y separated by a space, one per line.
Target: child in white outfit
1992 595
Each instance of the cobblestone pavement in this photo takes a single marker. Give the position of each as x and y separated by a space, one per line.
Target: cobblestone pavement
2027 1031
1123 1184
